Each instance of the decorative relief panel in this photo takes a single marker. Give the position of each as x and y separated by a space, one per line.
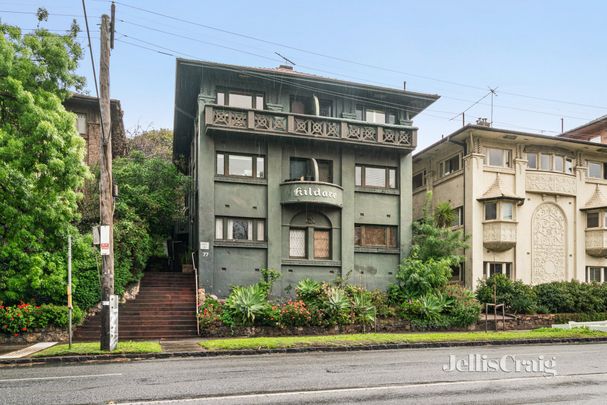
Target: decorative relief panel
551 183
548 244
499 236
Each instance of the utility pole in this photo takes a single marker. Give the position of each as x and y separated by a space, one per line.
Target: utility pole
106 203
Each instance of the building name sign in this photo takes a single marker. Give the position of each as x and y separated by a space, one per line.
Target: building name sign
314 191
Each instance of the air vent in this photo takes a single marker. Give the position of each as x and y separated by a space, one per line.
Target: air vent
511 137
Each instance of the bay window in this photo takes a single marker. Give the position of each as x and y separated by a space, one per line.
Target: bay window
499 210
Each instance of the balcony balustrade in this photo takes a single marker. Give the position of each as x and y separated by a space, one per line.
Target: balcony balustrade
499 235
296 125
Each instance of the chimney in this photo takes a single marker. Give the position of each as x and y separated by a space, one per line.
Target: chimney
285 67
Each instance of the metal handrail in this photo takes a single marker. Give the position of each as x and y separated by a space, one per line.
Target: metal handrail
196 292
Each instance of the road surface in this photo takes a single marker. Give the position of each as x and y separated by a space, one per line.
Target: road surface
378 377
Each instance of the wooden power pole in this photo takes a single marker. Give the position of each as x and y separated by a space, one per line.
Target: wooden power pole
106 203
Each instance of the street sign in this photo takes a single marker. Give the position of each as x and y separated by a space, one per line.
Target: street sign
104 239
114 300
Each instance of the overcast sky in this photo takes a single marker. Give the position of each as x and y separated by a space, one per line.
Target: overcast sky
546 58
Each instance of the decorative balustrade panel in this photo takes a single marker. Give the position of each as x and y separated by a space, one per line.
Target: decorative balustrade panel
230 118
362 133
270 122
316 127
321 127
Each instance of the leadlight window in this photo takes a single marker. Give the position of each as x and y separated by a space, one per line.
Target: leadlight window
297 243
492 268
375 236
373 176
239 229
230 164
322 244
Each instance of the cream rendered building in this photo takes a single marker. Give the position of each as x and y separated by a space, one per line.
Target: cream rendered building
535 206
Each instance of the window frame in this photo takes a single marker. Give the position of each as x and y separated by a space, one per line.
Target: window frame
459 213
309 161
329 241
305 249
387 178
253 94
226 165
499 211
447 162
421 173
506 157
598 219
361 114
507 269
254 238
601 166
567 162
390 234
602 274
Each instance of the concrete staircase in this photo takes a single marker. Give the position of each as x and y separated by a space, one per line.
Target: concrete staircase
163 309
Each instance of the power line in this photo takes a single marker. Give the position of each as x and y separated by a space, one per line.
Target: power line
253 38
175 54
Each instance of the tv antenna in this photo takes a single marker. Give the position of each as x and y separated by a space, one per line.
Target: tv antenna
289 61
493 93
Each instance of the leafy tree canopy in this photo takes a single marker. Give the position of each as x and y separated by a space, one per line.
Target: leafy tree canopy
153 143
41 162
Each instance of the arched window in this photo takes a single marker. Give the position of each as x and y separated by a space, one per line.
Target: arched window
310 236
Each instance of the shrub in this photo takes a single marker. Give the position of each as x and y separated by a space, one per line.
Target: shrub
465 309
309 291
363 310
417 278
381 302
268 277
295 313
23 318
209 312
516 295
337 306
246 304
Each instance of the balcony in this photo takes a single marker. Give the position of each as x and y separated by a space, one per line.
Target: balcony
307 126
311 192
499 235
596 242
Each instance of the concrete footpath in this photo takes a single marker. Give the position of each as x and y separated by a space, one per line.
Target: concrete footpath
189 348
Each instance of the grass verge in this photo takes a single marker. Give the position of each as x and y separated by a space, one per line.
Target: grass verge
385 338
93 348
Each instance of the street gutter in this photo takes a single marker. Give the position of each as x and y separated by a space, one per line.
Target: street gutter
31 361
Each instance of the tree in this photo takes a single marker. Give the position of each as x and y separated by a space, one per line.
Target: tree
153 143
434 237
41 161
444 215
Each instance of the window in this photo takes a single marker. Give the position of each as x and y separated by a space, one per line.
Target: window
297 243
298 106
375 236
532 160
243 229
381 177
592 220
491 268
596 274
375 116
240 100
459 216
559 163
502 210
419 180
596 170
81 123
568 166
506 208
490 210
545 161
240 165
450 165
497 157
326 108
457 272
302 169
322 244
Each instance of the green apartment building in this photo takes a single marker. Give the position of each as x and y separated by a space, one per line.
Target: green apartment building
303 174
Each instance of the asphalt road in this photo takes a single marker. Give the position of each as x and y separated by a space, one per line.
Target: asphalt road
392 376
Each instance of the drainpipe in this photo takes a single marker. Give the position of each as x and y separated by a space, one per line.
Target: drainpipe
316 174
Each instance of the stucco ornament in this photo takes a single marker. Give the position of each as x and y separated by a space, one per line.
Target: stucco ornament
549 251
551 183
